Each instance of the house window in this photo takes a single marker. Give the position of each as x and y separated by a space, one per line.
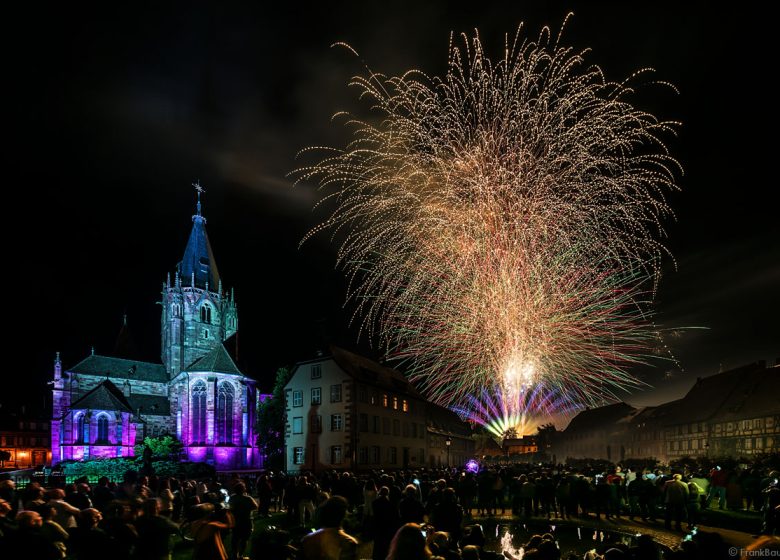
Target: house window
198 412
375 455
376 425
396 427
205 314
384 400
316 371
297 455
395 403
363 455
335 455
392 455
363 422
316 395
102 426
414 429
386 426
297 398
298 425
335 422
316 424
406 429
362 394
225 395
335 393
406 406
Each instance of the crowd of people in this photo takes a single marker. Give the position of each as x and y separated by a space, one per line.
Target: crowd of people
405 514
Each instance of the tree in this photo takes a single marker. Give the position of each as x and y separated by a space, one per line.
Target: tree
545 438
270 422
163 447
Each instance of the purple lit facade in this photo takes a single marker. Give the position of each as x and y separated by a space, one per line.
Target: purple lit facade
103 406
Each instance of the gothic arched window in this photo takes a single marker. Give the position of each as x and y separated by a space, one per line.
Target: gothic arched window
205 313
225 413
80 429
102 428
198 413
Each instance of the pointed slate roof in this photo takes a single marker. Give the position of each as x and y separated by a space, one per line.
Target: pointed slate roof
216 361
119 368
199 258
106 396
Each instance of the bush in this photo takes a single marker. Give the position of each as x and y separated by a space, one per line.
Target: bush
116 469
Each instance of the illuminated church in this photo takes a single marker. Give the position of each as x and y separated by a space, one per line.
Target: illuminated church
103 406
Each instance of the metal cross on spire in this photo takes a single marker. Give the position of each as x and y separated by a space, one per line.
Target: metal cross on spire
200 190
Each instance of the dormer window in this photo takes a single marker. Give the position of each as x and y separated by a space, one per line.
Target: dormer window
205 314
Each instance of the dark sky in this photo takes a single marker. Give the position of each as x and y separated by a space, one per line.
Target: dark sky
115 112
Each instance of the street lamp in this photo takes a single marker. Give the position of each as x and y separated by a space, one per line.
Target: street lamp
448 442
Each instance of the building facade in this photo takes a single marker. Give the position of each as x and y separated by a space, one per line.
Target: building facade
734 413
103 406
344 411
24 441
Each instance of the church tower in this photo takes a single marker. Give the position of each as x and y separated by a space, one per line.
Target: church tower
196 314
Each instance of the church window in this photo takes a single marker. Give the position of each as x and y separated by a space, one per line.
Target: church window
205 313
198 412
206 333
176 310
225 413
102 427
81 426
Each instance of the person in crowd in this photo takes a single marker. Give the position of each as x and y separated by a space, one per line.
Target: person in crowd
50 529
409 544
207 530
66 513
118 523
330 542
675 499
87 540
386 521
693 505
242 505
154 533
28 540
410 508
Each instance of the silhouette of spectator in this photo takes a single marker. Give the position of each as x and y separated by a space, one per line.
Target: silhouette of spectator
330 542
409 544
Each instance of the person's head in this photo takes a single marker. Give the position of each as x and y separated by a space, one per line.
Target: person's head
470 552
89 518
29 520
384 491
152 507
410 491
677 476
333 511
409 544
240 488
56 494
47 511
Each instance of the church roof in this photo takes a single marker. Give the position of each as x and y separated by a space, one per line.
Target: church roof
106 396
120 368
150 405
216 361
199 258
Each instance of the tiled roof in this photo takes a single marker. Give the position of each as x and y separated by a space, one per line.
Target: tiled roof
216 361
150 405
710 394
368 371
120 368
597 418
106 396
198 258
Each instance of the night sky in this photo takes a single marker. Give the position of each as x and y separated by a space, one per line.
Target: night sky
114 114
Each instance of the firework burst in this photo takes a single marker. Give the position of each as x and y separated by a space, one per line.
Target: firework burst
501 225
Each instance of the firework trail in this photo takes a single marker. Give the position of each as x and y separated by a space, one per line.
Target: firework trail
500 226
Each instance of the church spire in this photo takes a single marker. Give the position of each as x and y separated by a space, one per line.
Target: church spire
198 264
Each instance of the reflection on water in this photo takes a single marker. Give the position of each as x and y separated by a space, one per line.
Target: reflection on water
513 538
